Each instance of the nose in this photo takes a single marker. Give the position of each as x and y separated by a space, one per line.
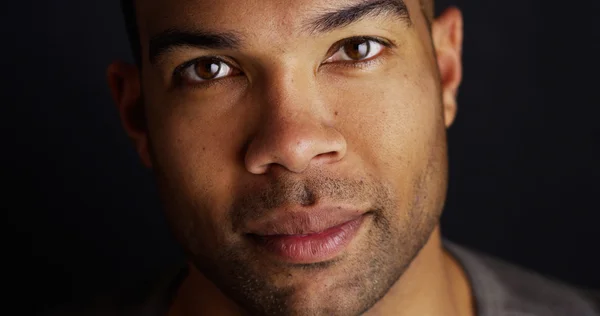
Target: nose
295 130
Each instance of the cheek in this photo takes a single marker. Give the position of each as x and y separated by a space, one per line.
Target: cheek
195 153
197 137
392 122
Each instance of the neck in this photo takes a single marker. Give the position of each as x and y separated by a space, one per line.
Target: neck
434 284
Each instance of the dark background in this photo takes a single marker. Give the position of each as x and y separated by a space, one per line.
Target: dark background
83 216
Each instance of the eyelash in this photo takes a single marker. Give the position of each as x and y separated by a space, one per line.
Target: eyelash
337 46
180 81
361 64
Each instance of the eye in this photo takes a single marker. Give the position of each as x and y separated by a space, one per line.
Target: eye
357 49
205 69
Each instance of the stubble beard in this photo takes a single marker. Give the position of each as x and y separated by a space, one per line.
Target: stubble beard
392 241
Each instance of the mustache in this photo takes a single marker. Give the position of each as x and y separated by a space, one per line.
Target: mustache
258 203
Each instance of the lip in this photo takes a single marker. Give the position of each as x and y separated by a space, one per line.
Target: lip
307 237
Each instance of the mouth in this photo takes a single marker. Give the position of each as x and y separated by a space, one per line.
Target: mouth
296 241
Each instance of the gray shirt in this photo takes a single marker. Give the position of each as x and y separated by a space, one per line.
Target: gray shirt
502 289
499 289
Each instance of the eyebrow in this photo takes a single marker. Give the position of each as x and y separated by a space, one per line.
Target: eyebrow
343 17
167 40
170 39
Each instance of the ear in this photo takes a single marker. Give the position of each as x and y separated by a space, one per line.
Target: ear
125 87
447 34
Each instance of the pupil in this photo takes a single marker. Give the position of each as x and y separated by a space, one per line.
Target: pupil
208 69
358 50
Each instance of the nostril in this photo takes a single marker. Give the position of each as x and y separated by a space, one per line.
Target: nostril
331 156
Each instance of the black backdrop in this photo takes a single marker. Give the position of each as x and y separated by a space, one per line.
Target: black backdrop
83 216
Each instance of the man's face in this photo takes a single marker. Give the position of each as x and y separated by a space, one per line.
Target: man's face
300 151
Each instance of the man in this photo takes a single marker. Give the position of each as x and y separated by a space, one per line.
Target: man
300 151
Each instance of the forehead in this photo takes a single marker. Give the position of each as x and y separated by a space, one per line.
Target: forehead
285 17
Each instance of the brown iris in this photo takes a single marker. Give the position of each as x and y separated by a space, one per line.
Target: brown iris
357 49
208 68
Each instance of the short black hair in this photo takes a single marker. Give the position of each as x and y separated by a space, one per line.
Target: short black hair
128 8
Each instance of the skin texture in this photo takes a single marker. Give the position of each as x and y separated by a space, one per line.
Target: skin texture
291 130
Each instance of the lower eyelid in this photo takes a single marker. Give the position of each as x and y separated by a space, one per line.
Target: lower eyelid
208 83
360 64
366 63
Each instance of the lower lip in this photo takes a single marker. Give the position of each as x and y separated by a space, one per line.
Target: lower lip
313 248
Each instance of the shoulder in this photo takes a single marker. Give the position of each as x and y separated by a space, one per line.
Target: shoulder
501 288
595 297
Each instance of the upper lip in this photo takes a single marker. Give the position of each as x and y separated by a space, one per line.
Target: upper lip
301 221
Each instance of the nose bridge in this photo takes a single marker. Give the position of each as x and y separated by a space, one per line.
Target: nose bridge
294 128
291 102
291 89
